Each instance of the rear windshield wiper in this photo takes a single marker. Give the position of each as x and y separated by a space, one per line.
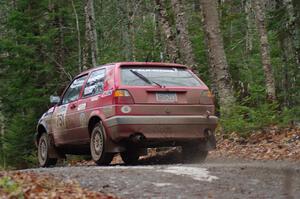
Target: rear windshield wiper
145 79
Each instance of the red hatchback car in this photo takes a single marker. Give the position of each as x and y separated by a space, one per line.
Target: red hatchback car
126 108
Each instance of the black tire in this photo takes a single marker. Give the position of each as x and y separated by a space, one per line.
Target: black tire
193 154
43 152
130 157
97 146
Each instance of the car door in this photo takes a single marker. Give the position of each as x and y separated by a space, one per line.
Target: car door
64 120
90 101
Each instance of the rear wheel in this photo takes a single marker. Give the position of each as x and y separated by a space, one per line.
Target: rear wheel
193 154
97 146
43 152
130 157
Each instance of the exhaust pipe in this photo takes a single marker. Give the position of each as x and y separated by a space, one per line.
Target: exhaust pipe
208 132
137 138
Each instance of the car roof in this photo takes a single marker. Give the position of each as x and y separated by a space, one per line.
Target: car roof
162 64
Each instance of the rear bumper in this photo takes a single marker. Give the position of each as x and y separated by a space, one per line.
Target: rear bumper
163 128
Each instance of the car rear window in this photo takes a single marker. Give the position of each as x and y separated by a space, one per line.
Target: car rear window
158 75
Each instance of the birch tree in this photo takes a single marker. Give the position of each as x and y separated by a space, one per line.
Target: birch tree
171 45
217 58
285 37
249 30
296 6
131 11
91 42
185 45
264 49
78 36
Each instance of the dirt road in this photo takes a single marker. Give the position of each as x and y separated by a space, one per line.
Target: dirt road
214 179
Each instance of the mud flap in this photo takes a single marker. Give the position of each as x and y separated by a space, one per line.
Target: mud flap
53 153
112 147
208 144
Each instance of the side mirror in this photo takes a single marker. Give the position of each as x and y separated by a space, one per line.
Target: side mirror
54 99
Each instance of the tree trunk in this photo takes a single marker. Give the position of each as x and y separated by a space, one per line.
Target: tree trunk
285 35
249 31
157 35
93 33
285 44
59 49
185 45
296 6
295 82
78 36
91 46
171 46
217 58
124 35
264 48
131 29
2 127
85 51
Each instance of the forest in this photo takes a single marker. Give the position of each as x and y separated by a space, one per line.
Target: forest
246 51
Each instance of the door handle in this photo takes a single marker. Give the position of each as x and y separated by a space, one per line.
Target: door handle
73 106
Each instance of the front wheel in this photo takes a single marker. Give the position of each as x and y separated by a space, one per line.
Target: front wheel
97 146
43 152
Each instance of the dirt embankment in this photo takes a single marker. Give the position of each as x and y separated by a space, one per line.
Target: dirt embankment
272 143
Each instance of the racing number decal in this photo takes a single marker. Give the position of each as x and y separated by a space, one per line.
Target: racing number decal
60 120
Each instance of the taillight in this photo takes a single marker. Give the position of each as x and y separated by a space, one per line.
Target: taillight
206 97
122 96
209 94
206 93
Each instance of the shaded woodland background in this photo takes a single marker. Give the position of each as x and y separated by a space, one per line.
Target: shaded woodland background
247 51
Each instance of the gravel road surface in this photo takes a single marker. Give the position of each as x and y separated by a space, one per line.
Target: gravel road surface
214 179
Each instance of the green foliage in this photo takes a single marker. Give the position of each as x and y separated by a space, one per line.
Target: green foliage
243 119
289 115
18 145
27 68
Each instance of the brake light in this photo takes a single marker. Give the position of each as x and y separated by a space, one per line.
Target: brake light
122 96
207 93
211 95
121 93
206 97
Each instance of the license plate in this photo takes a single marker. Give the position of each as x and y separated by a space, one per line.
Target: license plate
166 97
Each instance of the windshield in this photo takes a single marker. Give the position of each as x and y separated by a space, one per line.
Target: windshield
160 76
144 78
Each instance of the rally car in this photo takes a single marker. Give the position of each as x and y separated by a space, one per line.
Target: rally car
126 108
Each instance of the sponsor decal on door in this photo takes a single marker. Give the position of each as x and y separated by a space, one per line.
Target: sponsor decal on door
61 115
81 107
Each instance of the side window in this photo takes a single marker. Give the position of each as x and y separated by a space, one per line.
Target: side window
73 91
94 84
